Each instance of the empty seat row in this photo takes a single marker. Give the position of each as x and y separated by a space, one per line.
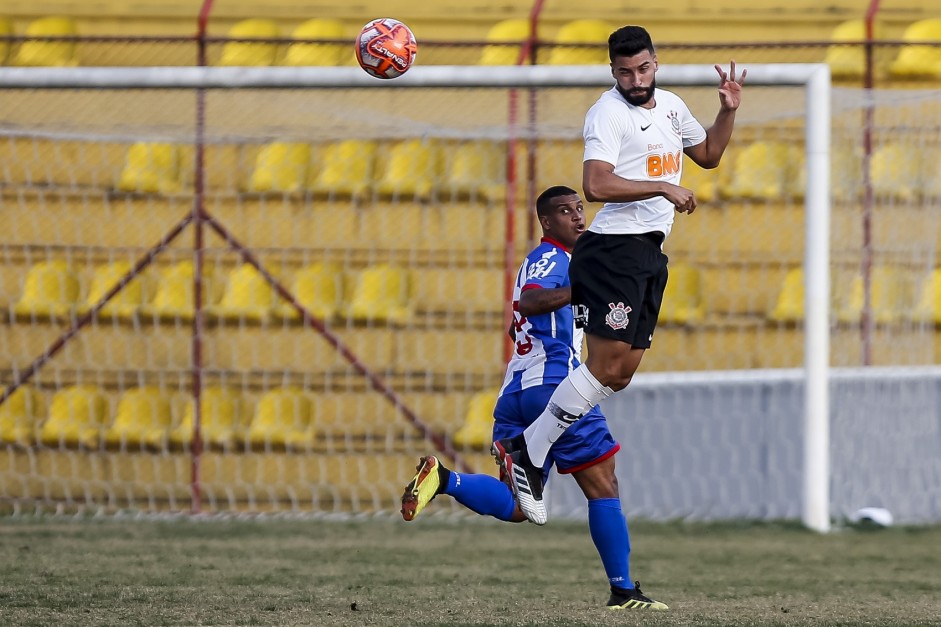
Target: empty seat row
377 293
775 170
151 417
346 168
895 297
327 42
388 293
763 169
917 58
319 42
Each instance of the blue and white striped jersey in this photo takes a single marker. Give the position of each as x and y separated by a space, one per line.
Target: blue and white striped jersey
547 346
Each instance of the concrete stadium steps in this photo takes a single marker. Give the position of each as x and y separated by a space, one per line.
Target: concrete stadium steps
438 233
752 344
119 355
363 483
442 231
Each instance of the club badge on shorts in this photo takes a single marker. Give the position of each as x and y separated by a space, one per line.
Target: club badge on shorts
617 317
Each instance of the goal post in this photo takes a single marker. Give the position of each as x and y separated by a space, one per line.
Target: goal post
257 107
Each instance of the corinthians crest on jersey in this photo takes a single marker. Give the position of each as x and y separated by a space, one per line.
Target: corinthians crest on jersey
617 317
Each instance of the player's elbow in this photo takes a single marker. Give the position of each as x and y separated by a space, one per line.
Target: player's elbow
709 164
593 192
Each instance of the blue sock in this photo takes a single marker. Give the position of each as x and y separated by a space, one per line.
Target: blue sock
483 494
609 533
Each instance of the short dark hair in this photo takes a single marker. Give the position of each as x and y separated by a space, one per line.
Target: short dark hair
542 203
628 41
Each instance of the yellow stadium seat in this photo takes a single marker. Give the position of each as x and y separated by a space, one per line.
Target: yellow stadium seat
682 300
382 293
320 54
282 419
767 170
789 306
319 288
928 306
281 167
247 295
846 56
348 167
125 303
240 53
49 53
78 415
919 61
174 294
890 296
151 168
477 430
51 289
476 168
21 415
6 30
704 183
143 419
410 168
504 42
223 418
567 50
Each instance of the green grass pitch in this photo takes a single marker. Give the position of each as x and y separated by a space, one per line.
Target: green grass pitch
443 571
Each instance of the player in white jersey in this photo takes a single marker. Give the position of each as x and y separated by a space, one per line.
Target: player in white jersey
635 137
546 350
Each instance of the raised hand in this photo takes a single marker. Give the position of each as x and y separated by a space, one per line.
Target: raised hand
730 89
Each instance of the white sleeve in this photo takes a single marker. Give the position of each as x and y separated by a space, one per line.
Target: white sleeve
604 134
692 131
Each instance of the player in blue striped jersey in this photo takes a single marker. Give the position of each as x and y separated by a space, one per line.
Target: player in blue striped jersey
547 346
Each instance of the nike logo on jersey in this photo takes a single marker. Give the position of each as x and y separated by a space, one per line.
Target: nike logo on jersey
644 128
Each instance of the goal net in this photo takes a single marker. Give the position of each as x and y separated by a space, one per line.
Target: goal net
273 290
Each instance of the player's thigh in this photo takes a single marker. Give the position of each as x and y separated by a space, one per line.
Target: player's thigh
613 362
586 443
653 300
517 410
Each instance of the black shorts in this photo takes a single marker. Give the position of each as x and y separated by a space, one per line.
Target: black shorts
617 285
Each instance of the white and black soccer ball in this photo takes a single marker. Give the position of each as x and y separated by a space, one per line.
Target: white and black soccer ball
386 48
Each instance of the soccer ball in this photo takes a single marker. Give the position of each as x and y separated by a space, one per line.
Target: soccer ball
386 48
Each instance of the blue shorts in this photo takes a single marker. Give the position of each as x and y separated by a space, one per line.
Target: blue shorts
584 444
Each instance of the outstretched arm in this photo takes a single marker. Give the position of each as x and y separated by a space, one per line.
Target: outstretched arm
537 301
708 153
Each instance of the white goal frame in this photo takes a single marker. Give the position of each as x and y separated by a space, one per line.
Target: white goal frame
815 78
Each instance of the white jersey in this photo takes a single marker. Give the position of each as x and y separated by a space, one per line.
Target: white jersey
642 145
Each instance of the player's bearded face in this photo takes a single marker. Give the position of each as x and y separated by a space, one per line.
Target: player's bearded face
637 95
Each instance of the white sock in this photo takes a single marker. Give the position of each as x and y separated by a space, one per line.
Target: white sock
578 393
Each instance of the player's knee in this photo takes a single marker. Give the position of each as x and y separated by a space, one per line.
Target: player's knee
600 485
616 375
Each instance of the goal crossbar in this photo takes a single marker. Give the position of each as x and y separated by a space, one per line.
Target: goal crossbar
162 77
